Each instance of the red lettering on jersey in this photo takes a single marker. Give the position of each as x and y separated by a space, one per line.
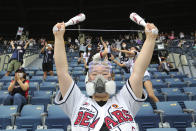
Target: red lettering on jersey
85 120
109 121
80 114
119 115
94 123
128 116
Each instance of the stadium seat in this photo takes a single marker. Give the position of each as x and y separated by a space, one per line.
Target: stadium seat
1 85
2 73
51 79
190 81
191 92
118 77
177 75
39 73
158 94
190 107
82 86
15 130
30 73
6 79
146 118
151 70
158 83
175 82
38 79
3 94
57 118
173 94
33 86
76 74
153 65
116 71
78 68
42 97
50 86
162 129
51 130
6 112
119 85
160 75
30 117
191 129
126 76
172 113
82 78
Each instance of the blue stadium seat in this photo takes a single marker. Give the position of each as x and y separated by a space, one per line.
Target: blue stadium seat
78 68
118 77
6 112
36 79
51 130
153 65
190 81
3 95
39 73
33 69
82 86
190 107
30 117
146 118
162 129
173 94
42 97
15 130
119 85
6 79
175 82
57 118
33 86
158 83
158 94
126 76
160 75
51 79
1 85
82 78
191 129
151 70
76 74
2 73
116 71
30 73
51 86
173 114
177 75
191 92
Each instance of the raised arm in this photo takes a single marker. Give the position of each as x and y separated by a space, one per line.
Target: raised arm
12 44
142 61
115 61
105 52
60 59
130 53
26 45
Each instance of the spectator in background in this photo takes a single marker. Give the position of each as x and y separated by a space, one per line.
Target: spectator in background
181 35
18 90
16 60
47 64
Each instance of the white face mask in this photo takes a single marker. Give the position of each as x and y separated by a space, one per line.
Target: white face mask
18 47
124 46
89 49
20 75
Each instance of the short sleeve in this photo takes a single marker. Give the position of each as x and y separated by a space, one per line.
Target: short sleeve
128 98
71 99
97 57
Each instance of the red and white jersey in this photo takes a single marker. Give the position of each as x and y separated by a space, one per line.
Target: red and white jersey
86 115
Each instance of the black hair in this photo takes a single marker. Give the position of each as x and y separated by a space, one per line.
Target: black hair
23 71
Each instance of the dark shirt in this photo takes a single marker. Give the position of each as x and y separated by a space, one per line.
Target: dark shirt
48 56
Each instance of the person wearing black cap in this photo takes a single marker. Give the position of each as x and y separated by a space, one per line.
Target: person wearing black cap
18 90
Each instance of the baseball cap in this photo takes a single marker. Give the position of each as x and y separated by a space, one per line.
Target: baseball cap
21 70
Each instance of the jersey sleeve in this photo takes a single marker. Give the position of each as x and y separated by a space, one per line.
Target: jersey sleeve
71 99
97 57
128 98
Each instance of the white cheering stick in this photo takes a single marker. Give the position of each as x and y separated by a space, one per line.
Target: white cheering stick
75 20
140 21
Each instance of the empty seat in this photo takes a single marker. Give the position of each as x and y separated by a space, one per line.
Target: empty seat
191 92
3 95
82 86
82 78
151 70
177 75
6 79
50 86
190 107
42 97
162 129
30 117
15 130
51 130
52 79
191 129
119 85
1 85
33 86
158 83
153 65
116 71
190 81
146 118
173 114
39 73
160 75
57 118
175 82
38 79
118 77
6 112
174 94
